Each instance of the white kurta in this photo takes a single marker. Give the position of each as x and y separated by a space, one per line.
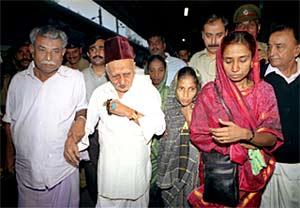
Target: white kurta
124 166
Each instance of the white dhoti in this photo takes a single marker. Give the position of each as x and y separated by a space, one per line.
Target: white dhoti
283 189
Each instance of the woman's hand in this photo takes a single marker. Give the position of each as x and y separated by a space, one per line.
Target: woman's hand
229 133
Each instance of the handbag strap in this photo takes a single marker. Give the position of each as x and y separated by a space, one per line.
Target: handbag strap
223 103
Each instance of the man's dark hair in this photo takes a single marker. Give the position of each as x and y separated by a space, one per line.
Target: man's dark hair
92 40
156 35
281 27
213 17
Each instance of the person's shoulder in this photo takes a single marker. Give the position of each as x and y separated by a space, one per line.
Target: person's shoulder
264 85
103 88
18 76
198 54
85 61
69 73
143 84
175 59
208 87
142 79
86 71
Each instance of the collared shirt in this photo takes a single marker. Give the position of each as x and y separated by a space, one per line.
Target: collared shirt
124 166
205 65
92 81
41 114
173 66
290 79
82 64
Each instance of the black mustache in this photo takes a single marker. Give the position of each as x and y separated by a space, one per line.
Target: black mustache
97 57
213 45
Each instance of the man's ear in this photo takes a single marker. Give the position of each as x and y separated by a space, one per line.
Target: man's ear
31 49
64 51
297 50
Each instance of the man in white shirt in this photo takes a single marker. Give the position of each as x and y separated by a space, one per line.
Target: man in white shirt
128 110
45 116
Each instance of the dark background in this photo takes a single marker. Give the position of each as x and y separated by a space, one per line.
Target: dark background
166 17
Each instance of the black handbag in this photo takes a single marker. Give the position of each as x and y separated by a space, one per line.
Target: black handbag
220 179
220 175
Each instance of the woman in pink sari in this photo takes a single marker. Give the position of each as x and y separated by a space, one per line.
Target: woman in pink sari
255 130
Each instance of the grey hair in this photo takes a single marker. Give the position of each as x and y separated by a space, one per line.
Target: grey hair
48 32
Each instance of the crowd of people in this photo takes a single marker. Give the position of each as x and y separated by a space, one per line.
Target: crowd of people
146 136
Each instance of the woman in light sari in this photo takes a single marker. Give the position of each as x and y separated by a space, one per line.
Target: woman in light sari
255 130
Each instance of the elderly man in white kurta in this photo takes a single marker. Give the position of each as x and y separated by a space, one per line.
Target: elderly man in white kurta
129 114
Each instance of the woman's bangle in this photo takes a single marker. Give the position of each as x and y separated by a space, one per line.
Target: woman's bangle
252 137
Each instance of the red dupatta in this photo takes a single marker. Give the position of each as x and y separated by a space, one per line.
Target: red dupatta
233 98
231 94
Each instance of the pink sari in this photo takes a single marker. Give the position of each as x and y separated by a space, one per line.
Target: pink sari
254 108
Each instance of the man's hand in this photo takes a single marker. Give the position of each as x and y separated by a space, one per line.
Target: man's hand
77 129
117 108
71 152
10 156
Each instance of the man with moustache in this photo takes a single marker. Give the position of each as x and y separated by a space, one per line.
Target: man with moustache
204 62
94 76
283 73
21 59
45 116
74 55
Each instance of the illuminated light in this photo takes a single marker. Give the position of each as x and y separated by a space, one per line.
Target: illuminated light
186 11
183 39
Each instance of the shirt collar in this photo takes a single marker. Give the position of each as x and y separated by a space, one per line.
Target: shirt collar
290 79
